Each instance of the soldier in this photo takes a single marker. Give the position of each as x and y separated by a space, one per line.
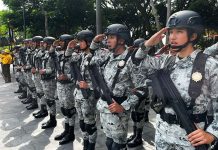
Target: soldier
85 103
116 72
35 75
48 74
22 56
17 67
31 90
185 28
65 88
139 113
40 53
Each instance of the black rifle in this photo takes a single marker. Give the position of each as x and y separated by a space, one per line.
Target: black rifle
79 78
166 90
104 90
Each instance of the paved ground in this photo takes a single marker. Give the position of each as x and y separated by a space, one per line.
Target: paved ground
20 131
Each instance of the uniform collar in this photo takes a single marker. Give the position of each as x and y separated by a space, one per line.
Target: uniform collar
121 56
191 57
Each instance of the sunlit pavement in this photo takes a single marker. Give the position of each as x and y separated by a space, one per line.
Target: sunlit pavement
20 131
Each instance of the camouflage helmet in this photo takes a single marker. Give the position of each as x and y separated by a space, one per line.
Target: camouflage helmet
119 30
186 19
137 42
37 38
85 35
49 40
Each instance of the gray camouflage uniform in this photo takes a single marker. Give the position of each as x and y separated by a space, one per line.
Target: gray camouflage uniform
37 77
49 82
115 126
65 90
172 136
29 77
85 107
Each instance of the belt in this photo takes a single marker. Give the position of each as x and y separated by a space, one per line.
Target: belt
173 119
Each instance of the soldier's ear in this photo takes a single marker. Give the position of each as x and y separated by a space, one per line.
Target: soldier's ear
193 37
121 41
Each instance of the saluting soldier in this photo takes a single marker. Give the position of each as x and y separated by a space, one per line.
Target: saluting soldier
185 28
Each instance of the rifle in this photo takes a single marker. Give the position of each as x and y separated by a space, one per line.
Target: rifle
104 90
79 78
166 90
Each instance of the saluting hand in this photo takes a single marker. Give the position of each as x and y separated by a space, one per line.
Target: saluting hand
99 38
199 137
115 107
42 71
71 44
156 38
56 43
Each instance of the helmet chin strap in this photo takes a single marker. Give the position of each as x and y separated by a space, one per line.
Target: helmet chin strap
180 47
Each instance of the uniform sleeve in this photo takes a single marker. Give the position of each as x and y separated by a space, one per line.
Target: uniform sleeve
213 82
151 62
212 50
100 55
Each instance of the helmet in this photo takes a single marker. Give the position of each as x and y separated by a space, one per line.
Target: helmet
7 51
17 46
37 38
27 40
137 42
49 40
119 30
186 19
85 35
66 37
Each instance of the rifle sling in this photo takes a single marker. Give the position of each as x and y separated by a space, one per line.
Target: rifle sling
119 70
195 86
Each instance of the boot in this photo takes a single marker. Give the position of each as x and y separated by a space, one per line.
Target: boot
19 90
42 113
61 136
23 95
85 144
132 136
51 123
137 140
91 146
70 136
146 116
28 100
33 105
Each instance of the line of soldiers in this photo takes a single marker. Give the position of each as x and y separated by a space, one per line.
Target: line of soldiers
48 69
88 72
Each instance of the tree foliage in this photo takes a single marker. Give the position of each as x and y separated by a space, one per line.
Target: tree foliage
69 16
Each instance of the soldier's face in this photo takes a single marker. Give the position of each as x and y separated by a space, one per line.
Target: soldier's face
61 44
178 36
111 41
82 44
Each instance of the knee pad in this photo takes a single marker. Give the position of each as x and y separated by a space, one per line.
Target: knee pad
90 128
116 146
82 125
70 112
109 142
40 95
50 102
63 111
136 116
